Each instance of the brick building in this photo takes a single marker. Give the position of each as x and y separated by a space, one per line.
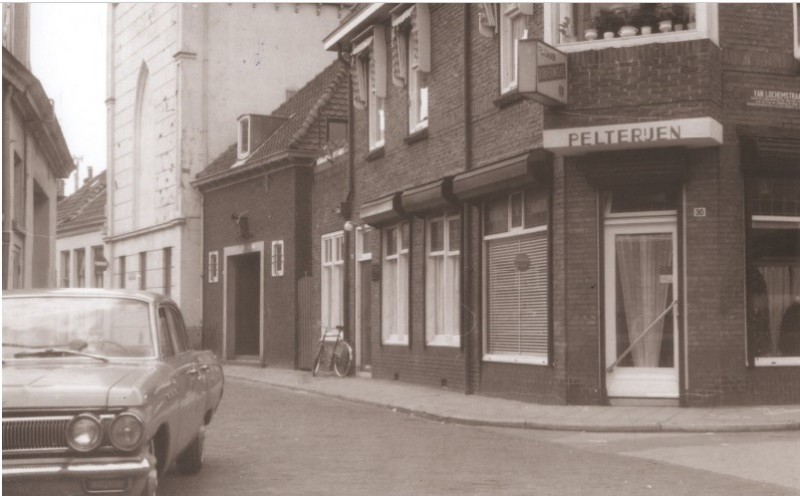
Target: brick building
257 225
634 238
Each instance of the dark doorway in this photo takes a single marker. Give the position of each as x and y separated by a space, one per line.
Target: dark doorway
246 303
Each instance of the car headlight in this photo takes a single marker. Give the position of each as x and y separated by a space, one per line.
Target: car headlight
84 432
126 431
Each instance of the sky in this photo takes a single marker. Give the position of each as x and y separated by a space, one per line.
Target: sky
68 55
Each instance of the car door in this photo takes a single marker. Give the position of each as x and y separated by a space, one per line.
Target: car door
194 398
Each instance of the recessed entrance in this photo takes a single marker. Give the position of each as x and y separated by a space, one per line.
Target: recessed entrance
243 309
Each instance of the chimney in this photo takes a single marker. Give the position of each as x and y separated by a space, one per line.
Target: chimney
90 171
77 179
290 92
61 186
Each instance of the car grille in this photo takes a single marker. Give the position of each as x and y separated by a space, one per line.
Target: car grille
38 434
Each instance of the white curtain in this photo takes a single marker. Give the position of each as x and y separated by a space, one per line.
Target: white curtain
780 294
640 259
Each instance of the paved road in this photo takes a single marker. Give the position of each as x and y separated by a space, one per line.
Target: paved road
271 441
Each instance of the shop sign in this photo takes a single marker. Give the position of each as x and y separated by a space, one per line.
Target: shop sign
542 73
788 100
692 133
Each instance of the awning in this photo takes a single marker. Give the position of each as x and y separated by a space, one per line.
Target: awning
436 195
521 170
383 211
770 155
620 168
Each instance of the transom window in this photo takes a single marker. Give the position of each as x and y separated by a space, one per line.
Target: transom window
579 26
516 292
394 285
442 281
773 271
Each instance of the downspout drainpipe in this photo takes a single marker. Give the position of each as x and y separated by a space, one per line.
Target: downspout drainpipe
468 321
348 214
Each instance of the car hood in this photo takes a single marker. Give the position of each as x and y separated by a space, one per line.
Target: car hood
45 385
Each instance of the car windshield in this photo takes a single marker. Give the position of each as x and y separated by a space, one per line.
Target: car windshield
67 327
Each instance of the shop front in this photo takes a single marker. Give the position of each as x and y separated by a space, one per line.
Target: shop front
638 174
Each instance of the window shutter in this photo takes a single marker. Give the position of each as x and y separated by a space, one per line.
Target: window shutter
518 300
379 55
422 24
525 8
360 62
487 20
401 25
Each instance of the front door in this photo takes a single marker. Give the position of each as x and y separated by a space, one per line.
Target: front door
641 281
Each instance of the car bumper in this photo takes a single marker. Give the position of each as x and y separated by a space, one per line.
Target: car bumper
69 476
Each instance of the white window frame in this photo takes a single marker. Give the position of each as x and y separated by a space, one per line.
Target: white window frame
277 258
776 222
706 15
450 277
796 14
418 95
244 152
331 298
213 267
509 69
399 298
512 232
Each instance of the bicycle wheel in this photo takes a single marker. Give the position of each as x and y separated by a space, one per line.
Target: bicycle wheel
343 359
317 361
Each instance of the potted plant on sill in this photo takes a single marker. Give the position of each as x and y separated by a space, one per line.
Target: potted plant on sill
607 23
646 17
626 15
680 16
664 14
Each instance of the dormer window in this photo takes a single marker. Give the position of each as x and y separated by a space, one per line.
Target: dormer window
244 137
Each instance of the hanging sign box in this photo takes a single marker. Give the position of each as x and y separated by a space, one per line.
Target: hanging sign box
542 73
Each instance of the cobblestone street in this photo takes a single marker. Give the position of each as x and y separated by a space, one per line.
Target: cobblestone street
270 441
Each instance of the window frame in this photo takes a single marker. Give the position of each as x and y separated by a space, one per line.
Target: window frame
796 15
401 305
450 336
213 275
415 76
707 27
509 13
376 109
331 263
515 232
80 267
66 260
99 280
277 258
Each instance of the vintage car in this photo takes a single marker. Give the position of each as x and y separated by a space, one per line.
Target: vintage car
101 392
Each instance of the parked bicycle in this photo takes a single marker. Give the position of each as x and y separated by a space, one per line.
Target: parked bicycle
340 356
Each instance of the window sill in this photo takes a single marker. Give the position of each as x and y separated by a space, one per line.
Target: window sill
396 341
508 98
418 135
444 341
777 361
628 41
376 153
517 359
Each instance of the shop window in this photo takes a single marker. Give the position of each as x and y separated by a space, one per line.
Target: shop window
277 258
394 284
65 261
516 293
583 26
369 64
512 29
244 137
332 281
80 268
442 283
213 266
652 199
773 272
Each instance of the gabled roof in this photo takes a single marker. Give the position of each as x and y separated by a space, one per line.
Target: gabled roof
84 208
325 95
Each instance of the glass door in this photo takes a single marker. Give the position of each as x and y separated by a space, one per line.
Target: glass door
641 281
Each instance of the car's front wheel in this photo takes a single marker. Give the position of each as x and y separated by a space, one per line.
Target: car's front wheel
191 460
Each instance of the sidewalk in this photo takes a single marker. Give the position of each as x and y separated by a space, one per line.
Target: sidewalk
456 407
